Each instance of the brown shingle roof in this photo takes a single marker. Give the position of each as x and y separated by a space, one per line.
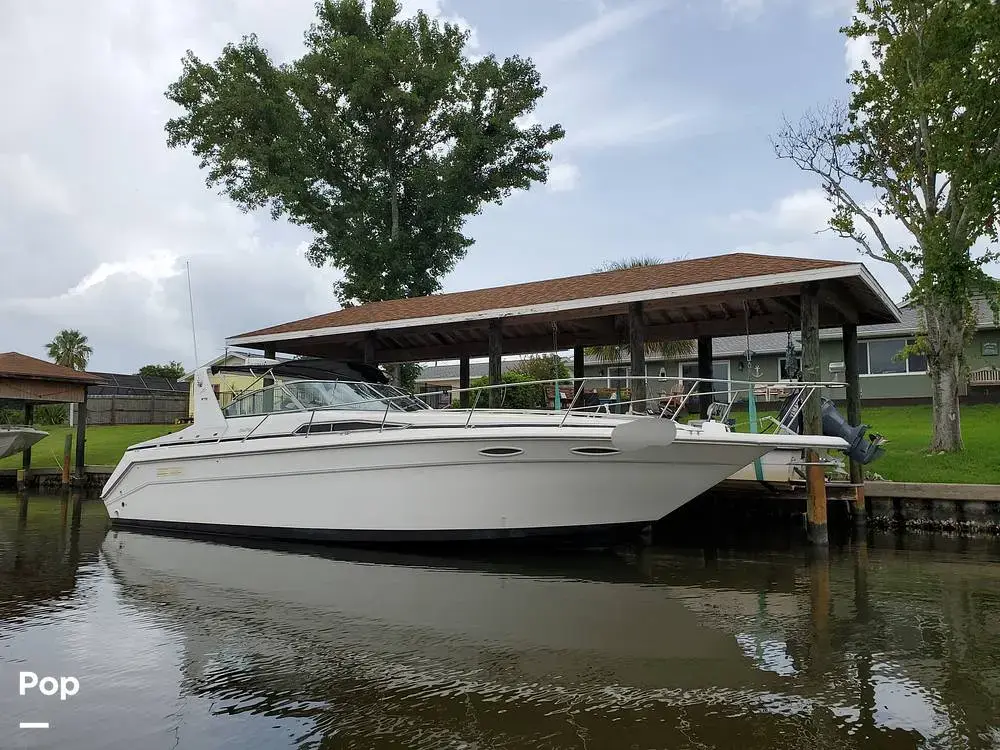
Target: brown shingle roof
643 278
15 365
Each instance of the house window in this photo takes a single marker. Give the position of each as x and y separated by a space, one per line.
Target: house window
880 357
783 373
618 377
663 373
720 376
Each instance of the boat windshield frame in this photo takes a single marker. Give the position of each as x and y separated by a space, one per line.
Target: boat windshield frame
305 395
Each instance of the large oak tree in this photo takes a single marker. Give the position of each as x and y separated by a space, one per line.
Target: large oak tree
382 139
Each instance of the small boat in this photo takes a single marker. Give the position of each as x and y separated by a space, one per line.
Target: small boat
341 460
17 439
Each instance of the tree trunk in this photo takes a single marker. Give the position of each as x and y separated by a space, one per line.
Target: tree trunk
395 371
394 212
946 337
945 381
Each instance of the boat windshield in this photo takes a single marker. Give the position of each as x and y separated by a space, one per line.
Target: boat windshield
306 395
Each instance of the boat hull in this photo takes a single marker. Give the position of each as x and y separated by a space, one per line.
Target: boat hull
18 439
426 490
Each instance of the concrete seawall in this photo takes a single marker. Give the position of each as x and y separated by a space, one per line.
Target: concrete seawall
946 507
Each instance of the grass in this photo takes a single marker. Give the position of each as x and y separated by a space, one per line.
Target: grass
105 444
907 458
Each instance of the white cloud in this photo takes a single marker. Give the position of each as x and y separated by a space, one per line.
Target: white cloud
743 9
626 127
98 217
563 177
601 28
800 212
858 51
797 225
588 78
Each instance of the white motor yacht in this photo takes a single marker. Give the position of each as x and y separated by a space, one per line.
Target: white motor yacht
355 461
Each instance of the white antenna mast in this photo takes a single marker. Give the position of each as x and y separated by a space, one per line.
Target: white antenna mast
194 337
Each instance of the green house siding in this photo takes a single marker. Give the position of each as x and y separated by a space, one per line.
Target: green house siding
980 351
913 383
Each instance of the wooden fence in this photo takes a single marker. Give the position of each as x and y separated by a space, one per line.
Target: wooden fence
159 409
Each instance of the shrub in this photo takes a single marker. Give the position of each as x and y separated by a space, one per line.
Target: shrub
514 397
542 367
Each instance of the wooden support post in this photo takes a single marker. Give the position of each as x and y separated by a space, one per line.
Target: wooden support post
368 356
812 416
67 452
268 381
579 372
637 348
705 374
29 419
496 354
851 373
464 380
81 439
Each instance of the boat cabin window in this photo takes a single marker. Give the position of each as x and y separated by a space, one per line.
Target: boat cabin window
306 395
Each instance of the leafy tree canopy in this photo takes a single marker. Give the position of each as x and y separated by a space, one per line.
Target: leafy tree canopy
382 138
921 132
174 371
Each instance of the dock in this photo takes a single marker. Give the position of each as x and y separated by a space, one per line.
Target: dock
51 478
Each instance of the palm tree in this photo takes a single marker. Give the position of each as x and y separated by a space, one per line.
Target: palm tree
618 352
70 349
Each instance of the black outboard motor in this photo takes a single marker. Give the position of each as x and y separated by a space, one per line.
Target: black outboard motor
859 449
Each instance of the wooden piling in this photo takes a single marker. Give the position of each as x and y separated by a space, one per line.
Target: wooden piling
25 475
464 377
637 349
496 358
81 440
579 371
812 417
821 606
705 374
851 373
67 452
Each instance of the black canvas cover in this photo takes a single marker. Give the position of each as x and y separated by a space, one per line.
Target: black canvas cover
313 368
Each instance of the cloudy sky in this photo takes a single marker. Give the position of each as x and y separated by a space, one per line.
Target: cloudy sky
667 104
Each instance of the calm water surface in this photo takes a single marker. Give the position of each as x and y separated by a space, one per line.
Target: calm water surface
183 643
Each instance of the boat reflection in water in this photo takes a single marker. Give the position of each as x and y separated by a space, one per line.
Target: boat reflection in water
380 650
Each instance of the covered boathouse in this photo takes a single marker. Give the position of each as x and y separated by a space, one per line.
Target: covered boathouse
725 295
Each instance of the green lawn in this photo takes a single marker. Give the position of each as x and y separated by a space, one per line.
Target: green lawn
906 458
105 444
908 430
